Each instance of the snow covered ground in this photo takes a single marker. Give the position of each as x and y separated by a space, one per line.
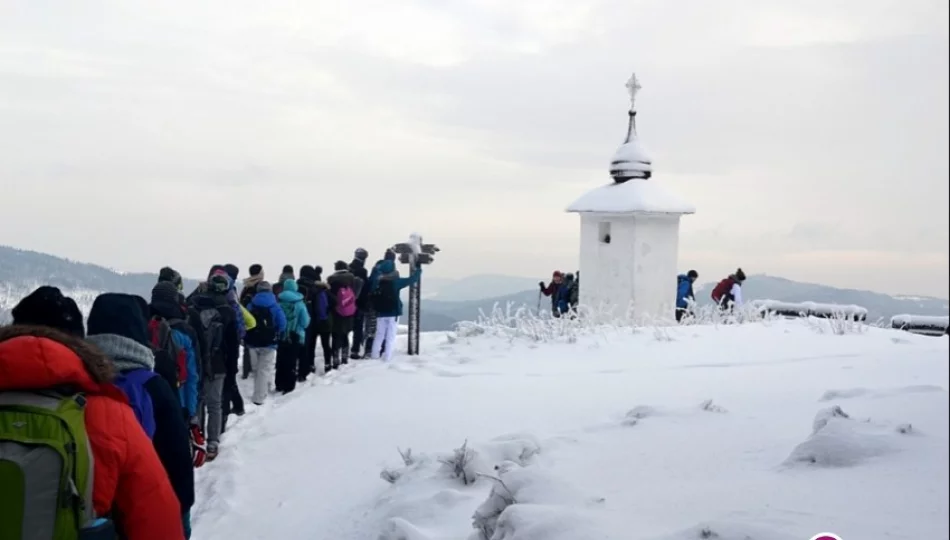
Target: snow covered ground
766 431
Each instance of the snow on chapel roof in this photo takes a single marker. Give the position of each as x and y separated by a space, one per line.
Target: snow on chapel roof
631 168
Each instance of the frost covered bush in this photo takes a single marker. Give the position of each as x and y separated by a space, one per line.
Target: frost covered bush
461 464
838 324
837 440
513 322
409 461
525 503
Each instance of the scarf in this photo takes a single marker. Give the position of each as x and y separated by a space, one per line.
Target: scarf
126 354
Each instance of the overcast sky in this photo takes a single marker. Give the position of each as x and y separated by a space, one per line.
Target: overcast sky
812 135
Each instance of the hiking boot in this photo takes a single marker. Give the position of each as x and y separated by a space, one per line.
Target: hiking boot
355 356
212 452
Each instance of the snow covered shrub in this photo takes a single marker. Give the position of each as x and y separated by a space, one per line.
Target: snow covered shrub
518 448
709 406
636 414
838 324
485 519
462 464
525 503
839 441
409 461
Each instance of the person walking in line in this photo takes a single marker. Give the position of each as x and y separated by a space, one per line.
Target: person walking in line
256 275
358 268
388 305
215 322
685 299
552 289
270 324
292 339
343 286
727 294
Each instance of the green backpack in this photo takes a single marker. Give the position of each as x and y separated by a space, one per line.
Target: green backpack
46 467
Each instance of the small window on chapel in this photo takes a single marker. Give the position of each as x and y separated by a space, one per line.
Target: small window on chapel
604 232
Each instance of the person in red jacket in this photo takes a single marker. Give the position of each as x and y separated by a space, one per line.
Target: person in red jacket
551 289
129 481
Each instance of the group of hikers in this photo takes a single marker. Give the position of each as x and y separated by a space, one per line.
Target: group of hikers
107 420
563 290
727 294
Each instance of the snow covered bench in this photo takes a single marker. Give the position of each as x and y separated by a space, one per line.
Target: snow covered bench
921 324
811 309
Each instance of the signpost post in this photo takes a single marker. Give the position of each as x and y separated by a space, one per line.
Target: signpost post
412 253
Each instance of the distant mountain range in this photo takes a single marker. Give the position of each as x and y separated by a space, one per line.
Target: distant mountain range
445 301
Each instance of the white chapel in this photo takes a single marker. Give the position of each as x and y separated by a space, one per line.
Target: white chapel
630 234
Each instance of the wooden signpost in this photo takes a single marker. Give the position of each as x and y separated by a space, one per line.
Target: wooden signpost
413 253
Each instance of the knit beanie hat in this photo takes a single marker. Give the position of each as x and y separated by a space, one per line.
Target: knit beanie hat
121 314
361 254
232 271
288 269
165 292
339 265
308 272
46 306
740 275
390 255
319 270
264 286
170 275
255 269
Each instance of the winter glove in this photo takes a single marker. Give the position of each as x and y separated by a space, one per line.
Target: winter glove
199 449
541 284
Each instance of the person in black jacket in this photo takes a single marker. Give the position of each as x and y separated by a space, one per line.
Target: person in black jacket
118 326
214 320
358 269
341 326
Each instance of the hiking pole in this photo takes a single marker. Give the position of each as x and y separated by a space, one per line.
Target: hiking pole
539 303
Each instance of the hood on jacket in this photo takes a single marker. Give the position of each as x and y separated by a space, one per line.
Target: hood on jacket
207 300
252 281
309 272
125 353
34 357
290 293
121 314
264 299
387 267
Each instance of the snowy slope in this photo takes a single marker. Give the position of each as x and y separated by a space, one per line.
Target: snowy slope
661 434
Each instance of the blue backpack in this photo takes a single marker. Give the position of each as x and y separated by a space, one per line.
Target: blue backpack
132 384
321 305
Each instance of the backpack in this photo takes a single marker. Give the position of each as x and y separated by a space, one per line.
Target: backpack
264 333
384 297
46 453
321 305
722 289
171 361
345 302
132 384
290 313
210 327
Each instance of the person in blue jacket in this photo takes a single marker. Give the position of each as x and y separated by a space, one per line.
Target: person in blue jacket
289 350
684 294
567 294
262 340
167 303
386 284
